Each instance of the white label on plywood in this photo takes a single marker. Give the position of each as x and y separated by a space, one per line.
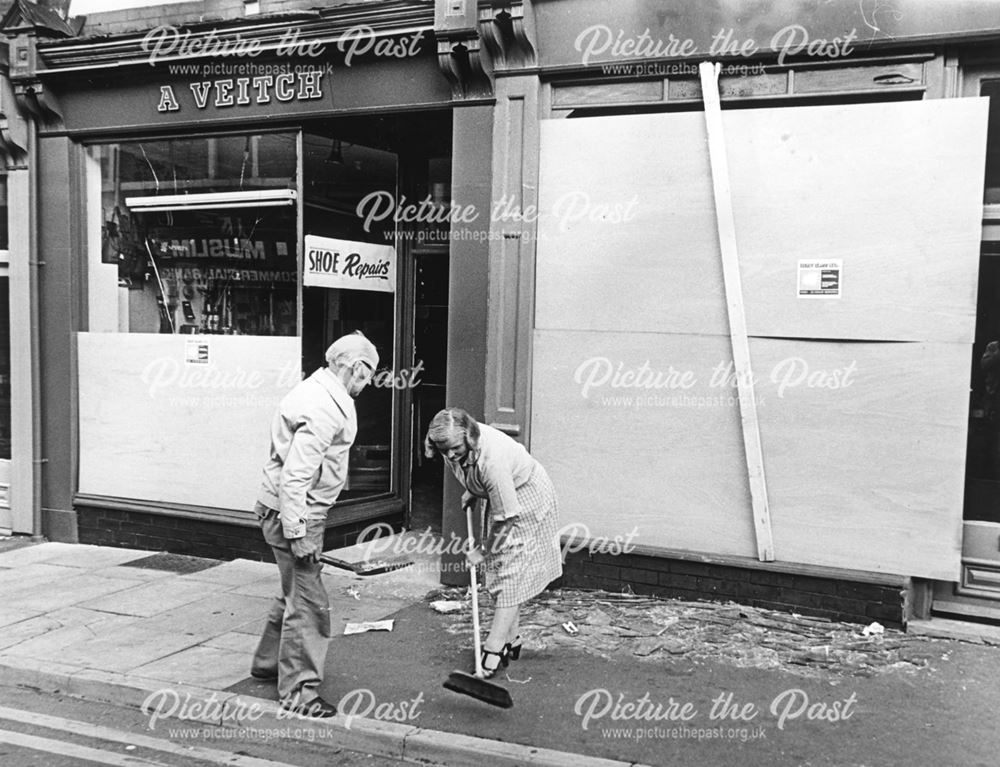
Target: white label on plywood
196 352
821 279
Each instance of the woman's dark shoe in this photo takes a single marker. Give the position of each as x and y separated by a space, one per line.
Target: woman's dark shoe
513 649
492 662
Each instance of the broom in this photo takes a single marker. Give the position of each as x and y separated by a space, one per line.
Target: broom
474 685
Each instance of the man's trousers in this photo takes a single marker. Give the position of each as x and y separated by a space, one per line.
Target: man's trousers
297 633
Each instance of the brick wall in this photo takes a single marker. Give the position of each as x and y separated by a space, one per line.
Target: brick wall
194 537
881 599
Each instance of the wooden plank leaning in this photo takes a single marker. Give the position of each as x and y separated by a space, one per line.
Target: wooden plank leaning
709 73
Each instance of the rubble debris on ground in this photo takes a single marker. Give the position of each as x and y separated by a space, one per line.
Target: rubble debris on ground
446 606
652 629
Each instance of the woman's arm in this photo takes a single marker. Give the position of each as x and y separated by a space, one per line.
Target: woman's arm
498 479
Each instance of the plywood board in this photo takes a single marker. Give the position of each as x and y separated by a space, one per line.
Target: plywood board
155 427
864 449
893 189
864 446
662 464
626 227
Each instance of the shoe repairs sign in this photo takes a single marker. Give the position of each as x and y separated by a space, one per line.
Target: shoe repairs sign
350 265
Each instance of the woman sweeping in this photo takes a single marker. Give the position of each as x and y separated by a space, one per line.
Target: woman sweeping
521 546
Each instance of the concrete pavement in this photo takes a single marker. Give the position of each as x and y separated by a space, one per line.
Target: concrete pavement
133 627
176 634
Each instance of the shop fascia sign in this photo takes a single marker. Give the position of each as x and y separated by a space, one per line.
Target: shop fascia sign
349 265
281 86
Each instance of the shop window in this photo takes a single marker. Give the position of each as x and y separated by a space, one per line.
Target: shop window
192 334
194 236
991 88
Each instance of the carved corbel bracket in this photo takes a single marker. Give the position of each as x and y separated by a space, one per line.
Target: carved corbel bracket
502 27
33 99
14 155
460 58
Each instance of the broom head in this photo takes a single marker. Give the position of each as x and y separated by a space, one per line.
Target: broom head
480 689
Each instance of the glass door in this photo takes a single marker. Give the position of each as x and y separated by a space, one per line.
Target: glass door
338 174
6 520
430 366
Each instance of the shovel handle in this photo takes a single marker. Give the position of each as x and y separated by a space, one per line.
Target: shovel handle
474 585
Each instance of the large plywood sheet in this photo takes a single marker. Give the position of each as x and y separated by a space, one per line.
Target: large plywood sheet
864 446
626 227
156 427
892 189
863 476
664 465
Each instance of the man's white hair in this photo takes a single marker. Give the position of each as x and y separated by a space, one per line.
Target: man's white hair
347 350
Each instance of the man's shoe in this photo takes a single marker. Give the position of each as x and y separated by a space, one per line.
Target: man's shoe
265 675
317 708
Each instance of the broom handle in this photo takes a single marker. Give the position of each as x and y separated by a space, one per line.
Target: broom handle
475 599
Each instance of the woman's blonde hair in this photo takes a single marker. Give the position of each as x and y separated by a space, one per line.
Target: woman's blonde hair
448 424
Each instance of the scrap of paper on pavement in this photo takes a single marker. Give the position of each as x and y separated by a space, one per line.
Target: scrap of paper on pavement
361 628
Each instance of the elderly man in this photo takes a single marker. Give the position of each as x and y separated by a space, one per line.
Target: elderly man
311 435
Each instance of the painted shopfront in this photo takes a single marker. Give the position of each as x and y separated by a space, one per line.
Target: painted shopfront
741 339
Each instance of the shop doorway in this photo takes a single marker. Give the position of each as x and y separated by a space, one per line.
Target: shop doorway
337 176
430 353
357 174
977 593
6 517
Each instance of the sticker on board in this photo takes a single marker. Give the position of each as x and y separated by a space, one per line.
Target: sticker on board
821 279
349 265
196 352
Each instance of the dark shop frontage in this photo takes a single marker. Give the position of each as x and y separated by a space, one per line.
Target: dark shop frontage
741 314
193 186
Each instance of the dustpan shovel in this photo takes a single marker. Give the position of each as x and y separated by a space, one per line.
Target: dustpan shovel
474 685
